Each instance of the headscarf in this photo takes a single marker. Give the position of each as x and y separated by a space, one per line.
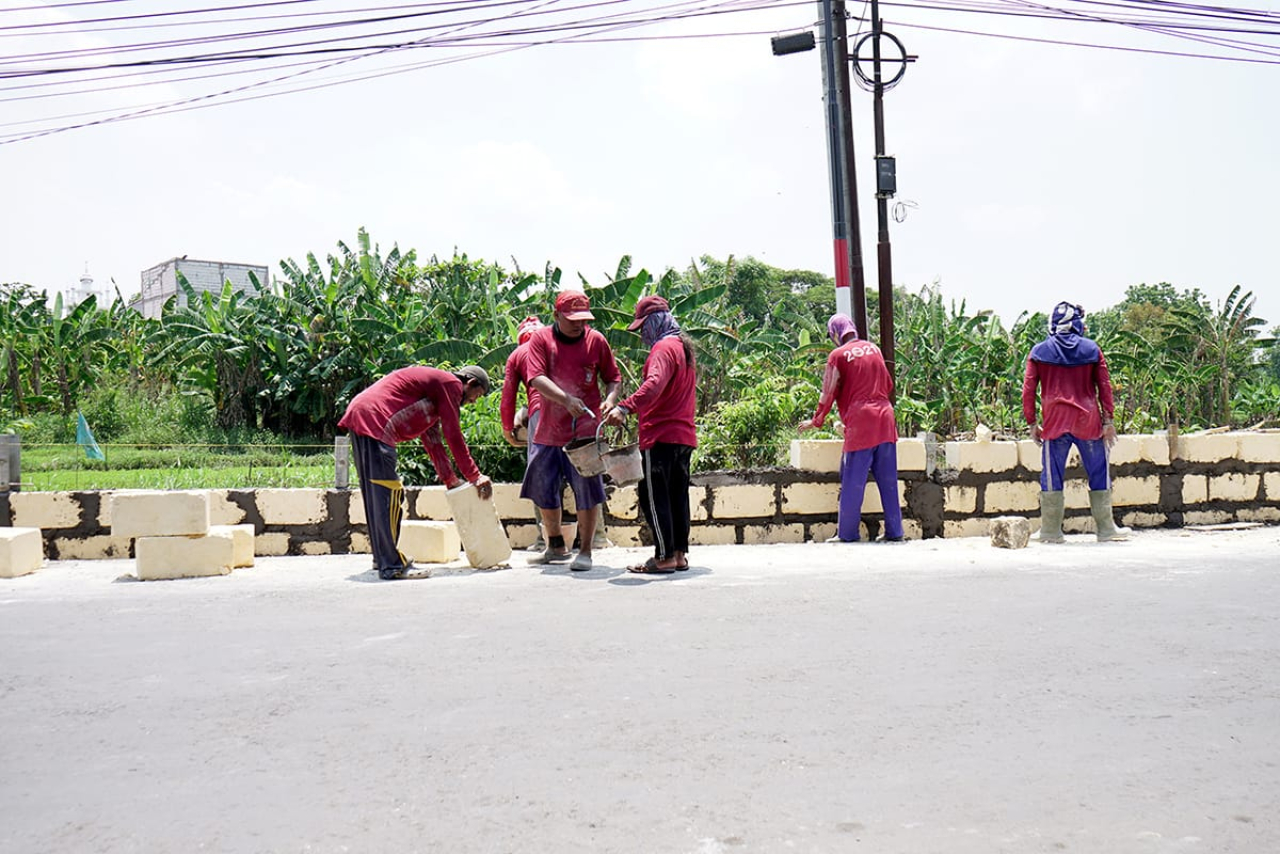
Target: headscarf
658 325
527 327
1066 344
839 326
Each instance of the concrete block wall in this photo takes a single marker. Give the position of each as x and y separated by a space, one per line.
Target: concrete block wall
1197 479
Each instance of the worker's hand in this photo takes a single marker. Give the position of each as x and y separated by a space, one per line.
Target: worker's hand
1109 435
575 406
806 424
1036 435
510 436
616 417
484 487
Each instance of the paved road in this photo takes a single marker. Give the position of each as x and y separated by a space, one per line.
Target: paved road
937 696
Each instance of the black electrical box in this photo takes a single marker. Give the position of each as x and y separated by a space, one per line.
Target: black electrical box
794 43
886 176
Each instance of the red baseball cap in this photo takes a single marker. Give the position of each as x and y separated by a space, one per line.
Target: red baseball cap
527 327
574 305
647 306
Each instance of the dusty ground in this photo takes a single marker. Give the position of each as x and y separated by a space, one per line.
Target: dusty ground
937 696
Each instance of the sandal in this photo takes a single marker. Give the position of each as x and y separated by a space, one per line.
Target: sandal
650 567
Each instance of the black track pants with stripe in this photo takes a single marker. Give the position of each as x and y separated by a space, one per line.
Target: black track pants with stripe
664 497
383 497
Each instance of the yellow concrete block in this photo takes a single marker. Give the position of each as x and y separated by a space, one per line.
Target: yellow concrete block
820 532
1077 525
740 501
21 550
183 557
430 542
1271 483
160 514
819 455
1205 517
1155 449
1195 489
1234 487
1208 448
810 498
960 499
1260 447
507 500
360 544
966 528
712 535
698 503
44 510
479 528
761 534
222 510
1029 455
1011 496
521 536
1259 514
982 456
1127 449
355 508
622 504
871 497
271 544
912 455
1137 519
432 504
1128 491
1076 494
912 530
291 506
627 536
241 542
101 547
315 547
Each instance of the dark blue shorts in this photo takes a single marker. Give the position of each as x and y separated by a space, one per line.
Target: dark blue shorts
544 478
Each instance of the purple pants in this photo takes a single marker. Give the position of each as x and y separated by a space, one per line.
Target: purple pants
1053 459
882 463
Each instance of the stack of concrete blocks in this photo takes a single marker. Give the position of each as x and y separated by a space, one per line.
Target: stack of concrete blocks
172 535
21 551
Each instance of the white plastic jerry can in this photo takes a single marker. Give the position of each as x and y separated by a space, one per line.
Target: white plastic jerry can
483 539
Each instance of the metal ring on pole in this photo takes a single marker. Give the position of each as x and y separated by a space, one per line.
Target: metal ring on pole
856 60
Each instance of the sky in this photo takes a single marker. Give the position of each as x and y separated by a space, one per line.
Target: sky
1027 172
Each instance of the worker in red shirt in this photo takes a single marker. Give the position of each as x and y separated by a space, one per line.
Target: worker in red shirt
526 418
409 403
568 361
857 379
1077 410
665 403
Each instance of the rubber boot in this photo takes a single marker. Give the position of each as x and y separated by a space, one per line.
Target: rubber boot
601 539
1100 507
1051 507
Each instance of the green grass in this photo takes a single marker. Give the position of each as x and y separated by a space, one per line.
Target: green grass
63 468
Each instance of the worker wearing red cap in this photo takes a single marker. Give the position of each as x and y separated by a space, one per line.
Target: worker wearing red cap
568 361
665 403
409 403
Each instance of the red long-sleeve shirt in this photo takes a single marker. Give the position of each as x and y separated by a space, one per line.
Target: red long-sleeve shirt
517 372
1070 398
416 402
667 397
857 379
577 367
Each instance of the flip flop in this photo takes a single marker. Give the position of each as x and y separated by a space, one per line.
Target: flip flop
683 566
650 567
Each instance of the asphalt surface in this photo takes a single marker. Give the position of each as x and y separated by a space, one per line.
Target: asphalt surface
935 696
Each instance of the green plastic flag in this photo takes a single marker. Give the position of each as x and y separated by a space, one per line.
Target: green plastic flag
84 438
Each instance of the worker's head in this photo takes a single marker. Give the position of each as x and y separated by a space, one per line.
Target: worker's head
573 310
527 327
1066 318
475 382
645 307
841 328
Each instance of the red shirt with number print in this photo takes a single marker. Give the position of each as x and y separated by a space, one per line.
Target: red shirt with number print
857 380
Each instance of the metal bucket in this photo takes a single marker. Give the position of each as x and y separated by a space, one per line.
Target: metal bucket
623 465
585 454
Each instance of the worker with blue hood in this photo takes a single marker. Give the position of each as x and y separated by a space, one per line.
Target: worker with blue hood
1076 410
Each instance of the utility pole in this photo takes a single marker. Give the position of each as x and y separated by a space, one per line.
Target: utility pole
857 275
